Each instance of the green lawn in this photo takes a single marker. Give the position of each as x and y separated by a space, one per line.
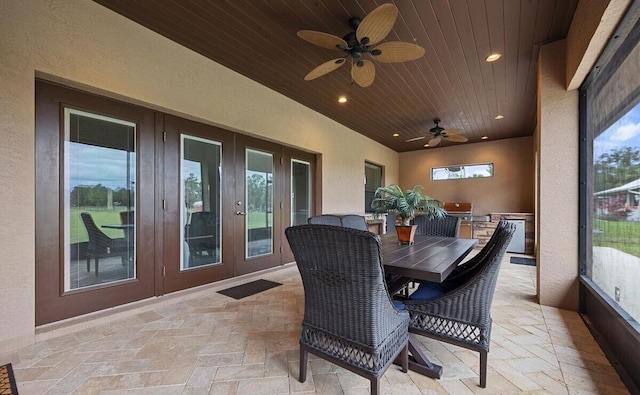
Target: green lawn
101 216
621 235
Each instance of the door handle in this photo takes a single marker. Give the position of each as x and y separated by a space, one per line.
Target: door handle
240 213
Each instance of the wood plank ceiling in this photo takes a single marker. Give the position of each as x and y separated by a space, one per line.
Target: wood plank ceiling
453 82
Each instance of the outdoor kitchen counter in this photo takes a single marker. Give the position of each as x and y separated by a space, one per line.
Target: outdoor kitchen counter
482 230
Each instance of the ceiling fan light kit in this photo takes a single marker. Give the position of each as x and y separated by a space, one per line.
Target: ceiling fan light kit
367 33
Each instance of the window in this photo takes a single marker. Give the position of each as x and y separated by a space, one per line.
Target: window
99 195
609 193
613 124
455 172
372 181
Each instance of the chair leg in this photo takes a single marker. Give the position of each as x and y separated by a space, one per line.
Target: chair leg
303 365
375 386
405 358
483 369
96 266
88 263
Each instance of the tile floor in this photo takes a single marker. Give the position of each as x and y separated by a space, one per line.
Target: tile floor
200 342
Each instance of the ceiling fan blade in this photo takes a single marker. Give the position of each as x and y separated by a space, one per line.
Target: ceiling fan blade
458 138
414 139
398 51
325 68
434 141
451 132
377 24
365 74
324 40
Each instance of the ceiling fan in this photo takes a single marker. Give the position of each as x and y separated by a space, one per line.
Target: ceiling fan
367 33
438 133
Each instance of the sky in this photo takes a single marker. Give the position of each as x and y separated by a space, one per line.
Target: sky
92 165
624 133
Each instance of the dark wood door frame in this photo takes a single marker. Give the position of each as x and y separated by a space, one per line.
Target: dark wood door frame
175 279
52 302
158 163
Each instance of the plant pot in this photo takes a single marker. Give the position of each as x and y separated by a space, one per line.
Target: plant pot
406 233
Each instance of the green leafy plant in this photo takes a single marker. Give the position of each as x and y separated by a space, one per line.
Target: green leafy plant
406 203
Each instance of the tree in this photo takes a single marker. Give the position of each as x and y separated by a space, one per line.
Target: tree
256 191
616 167
192 190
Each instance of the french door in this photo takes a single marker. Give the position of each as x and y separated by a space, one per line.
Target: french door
95 207
228 198
132 203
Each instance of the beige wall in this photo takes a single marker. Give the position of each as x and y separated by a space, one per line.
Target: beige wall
564 65
509 190
557 211
83 44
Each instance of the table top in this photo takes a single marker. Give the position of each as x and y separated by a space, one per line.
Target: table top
118 226
430 258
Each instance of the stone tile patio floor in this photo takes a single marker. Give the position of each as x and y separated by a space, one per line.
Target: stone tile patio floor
201 342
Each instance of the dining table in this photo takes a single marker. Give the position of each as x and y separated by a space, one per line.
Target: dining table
430 258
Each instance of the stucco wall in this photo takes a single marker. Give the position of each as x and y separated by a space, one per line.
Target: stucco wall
82 44
509 190
557 211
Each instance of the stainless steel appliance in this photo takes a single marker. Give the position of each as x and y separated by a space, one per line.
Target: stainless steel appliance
464 211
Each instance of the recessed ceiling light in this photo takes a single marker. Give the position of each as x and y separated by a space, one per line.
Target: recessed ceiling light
499 116
342 99
484 137
396 135
493 57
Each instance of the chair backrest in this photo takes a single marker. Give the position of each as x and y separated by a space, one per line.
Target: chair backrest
467 267
354 221
488 271
349 221
448 226
343 279
98 240
203 223
325 219
391 221
127 217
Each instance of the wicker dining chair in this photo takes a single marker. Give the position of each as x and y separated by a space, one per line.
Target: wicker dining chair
349 318
325 219
449 226
349 221
354 221
100 245
462 316
461 273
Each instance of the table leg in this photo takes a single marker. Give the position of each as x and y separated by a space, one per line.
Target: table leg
418 362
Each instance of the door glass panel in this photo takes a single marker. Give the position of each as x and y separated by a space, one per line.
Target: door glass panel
259 203
300 192
201 202
99 195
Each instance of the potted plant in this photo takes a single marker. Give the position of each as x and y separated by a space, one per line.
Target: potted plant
406 204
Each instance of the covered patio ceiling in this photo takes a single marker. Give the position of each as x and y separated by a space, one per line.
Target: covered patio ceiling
452 81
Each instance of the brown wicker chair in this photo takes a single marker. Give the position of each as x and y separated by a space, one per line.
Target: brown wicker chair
325 219
448 226
102 246
462 316
349 221
349 318
463 272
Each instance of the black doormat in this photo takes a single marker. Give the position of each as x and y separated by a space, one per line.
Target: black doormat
7 381
248 289
519 260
